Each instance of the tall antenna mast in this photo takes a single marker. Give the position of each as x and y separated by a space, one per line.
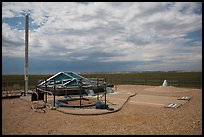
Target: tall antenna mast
26 57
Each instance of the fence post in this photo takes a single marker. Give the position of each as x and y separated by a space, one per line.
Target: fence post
80 90
20 85
7 86
97 90
200 83
111 82
160 81
46 90
6 89
105 91
54 92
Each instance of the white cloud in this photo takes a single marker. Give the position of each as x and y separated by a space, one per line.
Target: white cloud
128 31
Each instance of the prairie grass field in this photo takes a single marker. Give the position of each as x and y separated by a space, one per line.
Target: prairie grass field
177 79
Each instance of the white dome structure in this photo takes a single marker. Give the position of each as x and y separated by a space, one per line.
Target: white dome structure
165 84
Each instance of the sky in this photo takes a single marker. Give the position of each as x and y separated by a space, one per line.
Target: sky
102 36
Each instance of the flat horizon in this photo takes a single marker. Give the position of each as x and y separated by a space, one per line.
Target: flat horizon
104 72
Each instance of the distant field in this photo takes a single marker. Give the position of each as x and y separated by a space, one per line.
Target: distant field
178 79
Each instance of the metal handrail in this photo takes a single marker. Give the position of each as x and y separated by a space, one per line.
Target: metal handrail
47 92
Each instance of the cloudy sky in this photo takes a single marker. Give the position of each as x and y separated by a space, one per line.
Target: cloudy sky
102 37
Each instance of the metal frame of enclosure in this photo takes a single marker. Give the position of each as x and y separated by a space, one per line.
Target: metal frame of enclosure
69 82
57 84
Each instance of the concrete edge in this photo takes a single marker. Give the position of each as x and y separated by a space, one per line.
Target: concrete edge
99 113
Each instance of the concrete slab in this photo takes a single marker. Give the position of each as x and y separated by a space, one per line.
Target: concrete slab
115 101
155 100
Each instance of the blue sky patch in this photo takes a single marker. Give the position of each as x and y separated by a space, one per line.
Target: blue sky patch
194 36
19 23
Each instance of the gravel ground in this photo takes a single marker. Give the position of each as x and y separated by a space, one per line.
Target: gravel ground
134 119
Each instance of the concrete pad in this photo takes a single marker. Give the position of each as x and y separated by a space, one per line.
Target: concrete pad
115 101
155 100
163 89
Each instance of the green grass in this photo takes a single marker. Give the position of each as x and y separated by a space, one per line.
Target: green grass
21 77
9 81
178 79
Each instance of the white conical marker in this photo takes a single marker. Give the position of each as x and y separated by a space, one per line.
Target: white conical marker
165 84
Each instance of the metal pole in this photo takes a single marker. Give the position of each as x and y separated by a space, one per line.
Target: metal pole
97 90
54 93
66 92
80 88
178 82
105 91
26 57
46 90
